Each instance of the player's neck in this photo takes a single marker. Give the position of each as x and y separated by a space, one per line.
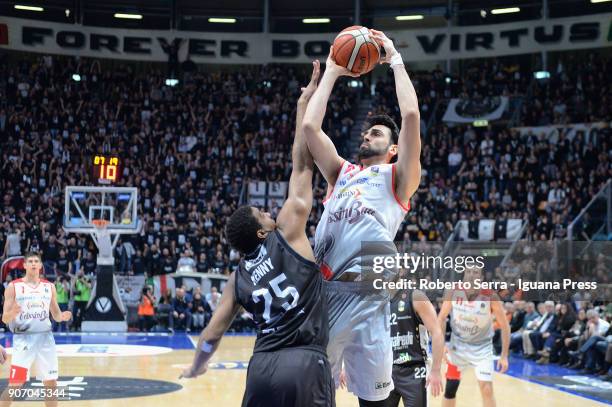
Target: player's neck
32 278
370 161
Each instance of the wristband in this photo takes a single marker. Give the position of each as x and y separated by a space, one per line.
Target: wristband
397 59
206 347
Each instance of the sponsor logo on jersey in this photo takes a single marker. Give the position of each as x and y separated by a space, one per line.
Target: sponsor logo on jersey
352 215
402 358
374 170
401 306
348 192
401 341
367 181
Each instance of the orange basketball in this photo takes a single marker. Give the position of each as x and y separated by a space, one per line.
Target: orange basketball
355 50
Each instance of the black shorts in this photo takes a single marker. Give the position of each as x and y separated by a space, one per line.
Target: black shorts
409 382
292 377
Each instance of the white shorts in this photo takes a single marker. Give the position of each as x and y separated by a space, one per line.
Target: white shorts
360 340
483 368
33 353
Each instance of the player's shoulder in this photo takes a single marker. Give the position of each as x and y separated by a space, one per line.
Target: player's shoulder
45 281
16 281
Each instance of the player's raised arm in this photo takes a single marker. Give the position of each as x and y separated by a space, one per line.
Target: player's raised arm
409 146
426 311
497 309
320 145
210 338
293 216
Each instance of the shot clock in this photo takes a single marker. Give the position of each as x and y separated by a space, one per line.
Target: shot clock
106 169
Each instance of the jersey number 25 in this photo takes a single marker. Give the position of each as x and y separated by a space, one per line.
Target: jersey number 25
279 293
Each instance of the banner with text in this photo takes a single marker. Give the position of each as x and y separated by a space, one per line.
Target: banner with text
435 44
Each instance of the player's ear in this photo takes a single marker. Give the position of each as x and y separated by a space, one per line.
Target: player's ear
393 149
262 233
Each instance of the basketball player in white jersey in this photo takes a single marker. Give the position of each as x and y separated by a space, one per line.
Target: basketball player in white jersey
366 202
471 317
28 304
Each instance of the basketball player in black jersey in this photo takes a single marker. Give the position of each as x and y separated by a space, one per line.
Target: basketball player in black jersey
410 310
279 283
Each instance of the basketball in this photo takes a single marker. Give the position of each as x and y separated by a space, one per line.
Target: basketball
355 50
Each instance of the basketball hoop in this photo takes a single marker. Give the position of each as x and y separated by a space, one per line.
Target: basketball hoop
103 240
100 224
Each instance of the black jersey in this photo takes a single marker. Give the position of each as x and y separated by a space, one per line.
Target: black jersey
283 291
406 332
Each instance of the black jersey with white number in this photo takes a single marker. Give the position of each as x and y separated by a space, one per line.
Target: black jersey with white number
408 342
283 291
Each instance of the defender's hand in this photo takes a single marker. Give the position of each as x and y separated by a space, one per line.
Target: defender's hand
386 43
332 68
66 316
309 90
191 373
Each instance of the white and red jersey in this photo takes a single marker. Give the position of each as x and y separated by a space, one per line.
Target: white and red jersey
362 207
34 302
471 323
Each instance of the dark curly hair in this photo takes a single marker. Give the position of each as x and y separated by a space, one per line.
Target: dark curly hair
241 230
384 120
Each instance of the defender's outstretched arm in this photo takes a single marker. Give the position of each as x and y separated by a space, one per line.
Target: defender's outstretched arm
320 145
210 338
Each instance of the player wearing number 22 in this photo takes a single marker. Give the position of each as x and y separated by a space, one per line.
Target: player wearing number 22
279 283
28 303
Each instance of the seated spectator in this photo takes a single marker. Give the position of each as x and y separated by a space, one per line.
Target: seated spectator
532 338
531 315
213 298
553 340
146 310
180 316
573 338
596 331
200 310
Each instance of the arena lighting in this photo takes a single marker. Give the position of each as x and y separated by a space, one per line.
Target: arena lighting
172 82
505 10
355 84
599 1
222 20
409 18
129 16
76 77
480 123
541 75
316 20
28 8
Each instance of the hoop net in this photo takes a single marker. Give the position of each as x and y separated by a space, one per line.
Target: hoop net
103 238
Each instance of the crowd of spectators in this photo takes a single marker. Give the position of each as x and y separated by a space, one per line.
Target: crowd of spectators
498 172
577 334
190 148
187 148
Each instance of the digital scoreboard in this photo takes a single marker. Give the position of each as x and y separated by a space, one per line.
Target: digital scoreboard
106 169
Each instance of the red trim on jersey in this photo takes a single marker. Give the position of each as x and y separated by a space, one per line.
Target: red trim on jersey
334 187
452 372
404 207
326 271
